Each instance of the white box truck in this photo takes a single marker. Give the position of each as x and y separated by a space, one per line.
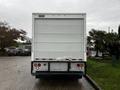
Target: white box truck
58 45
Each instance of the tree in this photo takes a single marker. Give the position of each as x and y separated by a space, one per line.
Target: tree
110 40
89 42
105 42
98 40
119 31
113 45
8 36
119 41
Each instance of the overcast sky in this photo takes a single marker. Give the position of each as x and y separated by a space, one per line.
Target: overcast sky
100 13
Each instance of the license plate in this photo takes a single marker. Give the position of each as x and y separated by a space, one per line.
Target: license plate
58 66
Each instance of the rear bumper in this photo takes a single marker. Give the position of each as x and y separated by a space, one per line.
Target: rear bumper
49 73
59 74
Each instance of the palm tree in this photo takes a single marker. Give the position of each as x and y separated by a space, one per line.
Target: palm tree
98 40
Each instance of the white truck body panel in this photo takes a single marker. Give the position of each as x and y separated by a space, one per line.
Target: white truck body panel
59 35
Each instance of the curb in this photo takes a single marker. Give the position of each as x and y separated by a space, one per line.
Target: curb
92 82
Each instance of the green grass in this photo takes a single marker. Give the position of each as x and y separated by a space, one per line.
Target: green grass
105 74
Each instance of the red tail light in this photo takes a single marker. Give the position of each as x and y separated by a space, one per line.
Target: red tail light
39 64
78 65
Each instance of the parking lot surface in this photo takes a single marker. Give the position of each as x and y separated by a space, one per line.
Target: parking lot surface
15 75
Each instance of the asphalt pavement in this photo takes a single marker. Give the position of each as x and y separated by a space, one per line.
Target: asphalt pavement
15 75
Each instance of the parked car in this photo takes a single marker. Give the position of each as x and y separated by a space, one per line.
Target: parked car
23 52
12 51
